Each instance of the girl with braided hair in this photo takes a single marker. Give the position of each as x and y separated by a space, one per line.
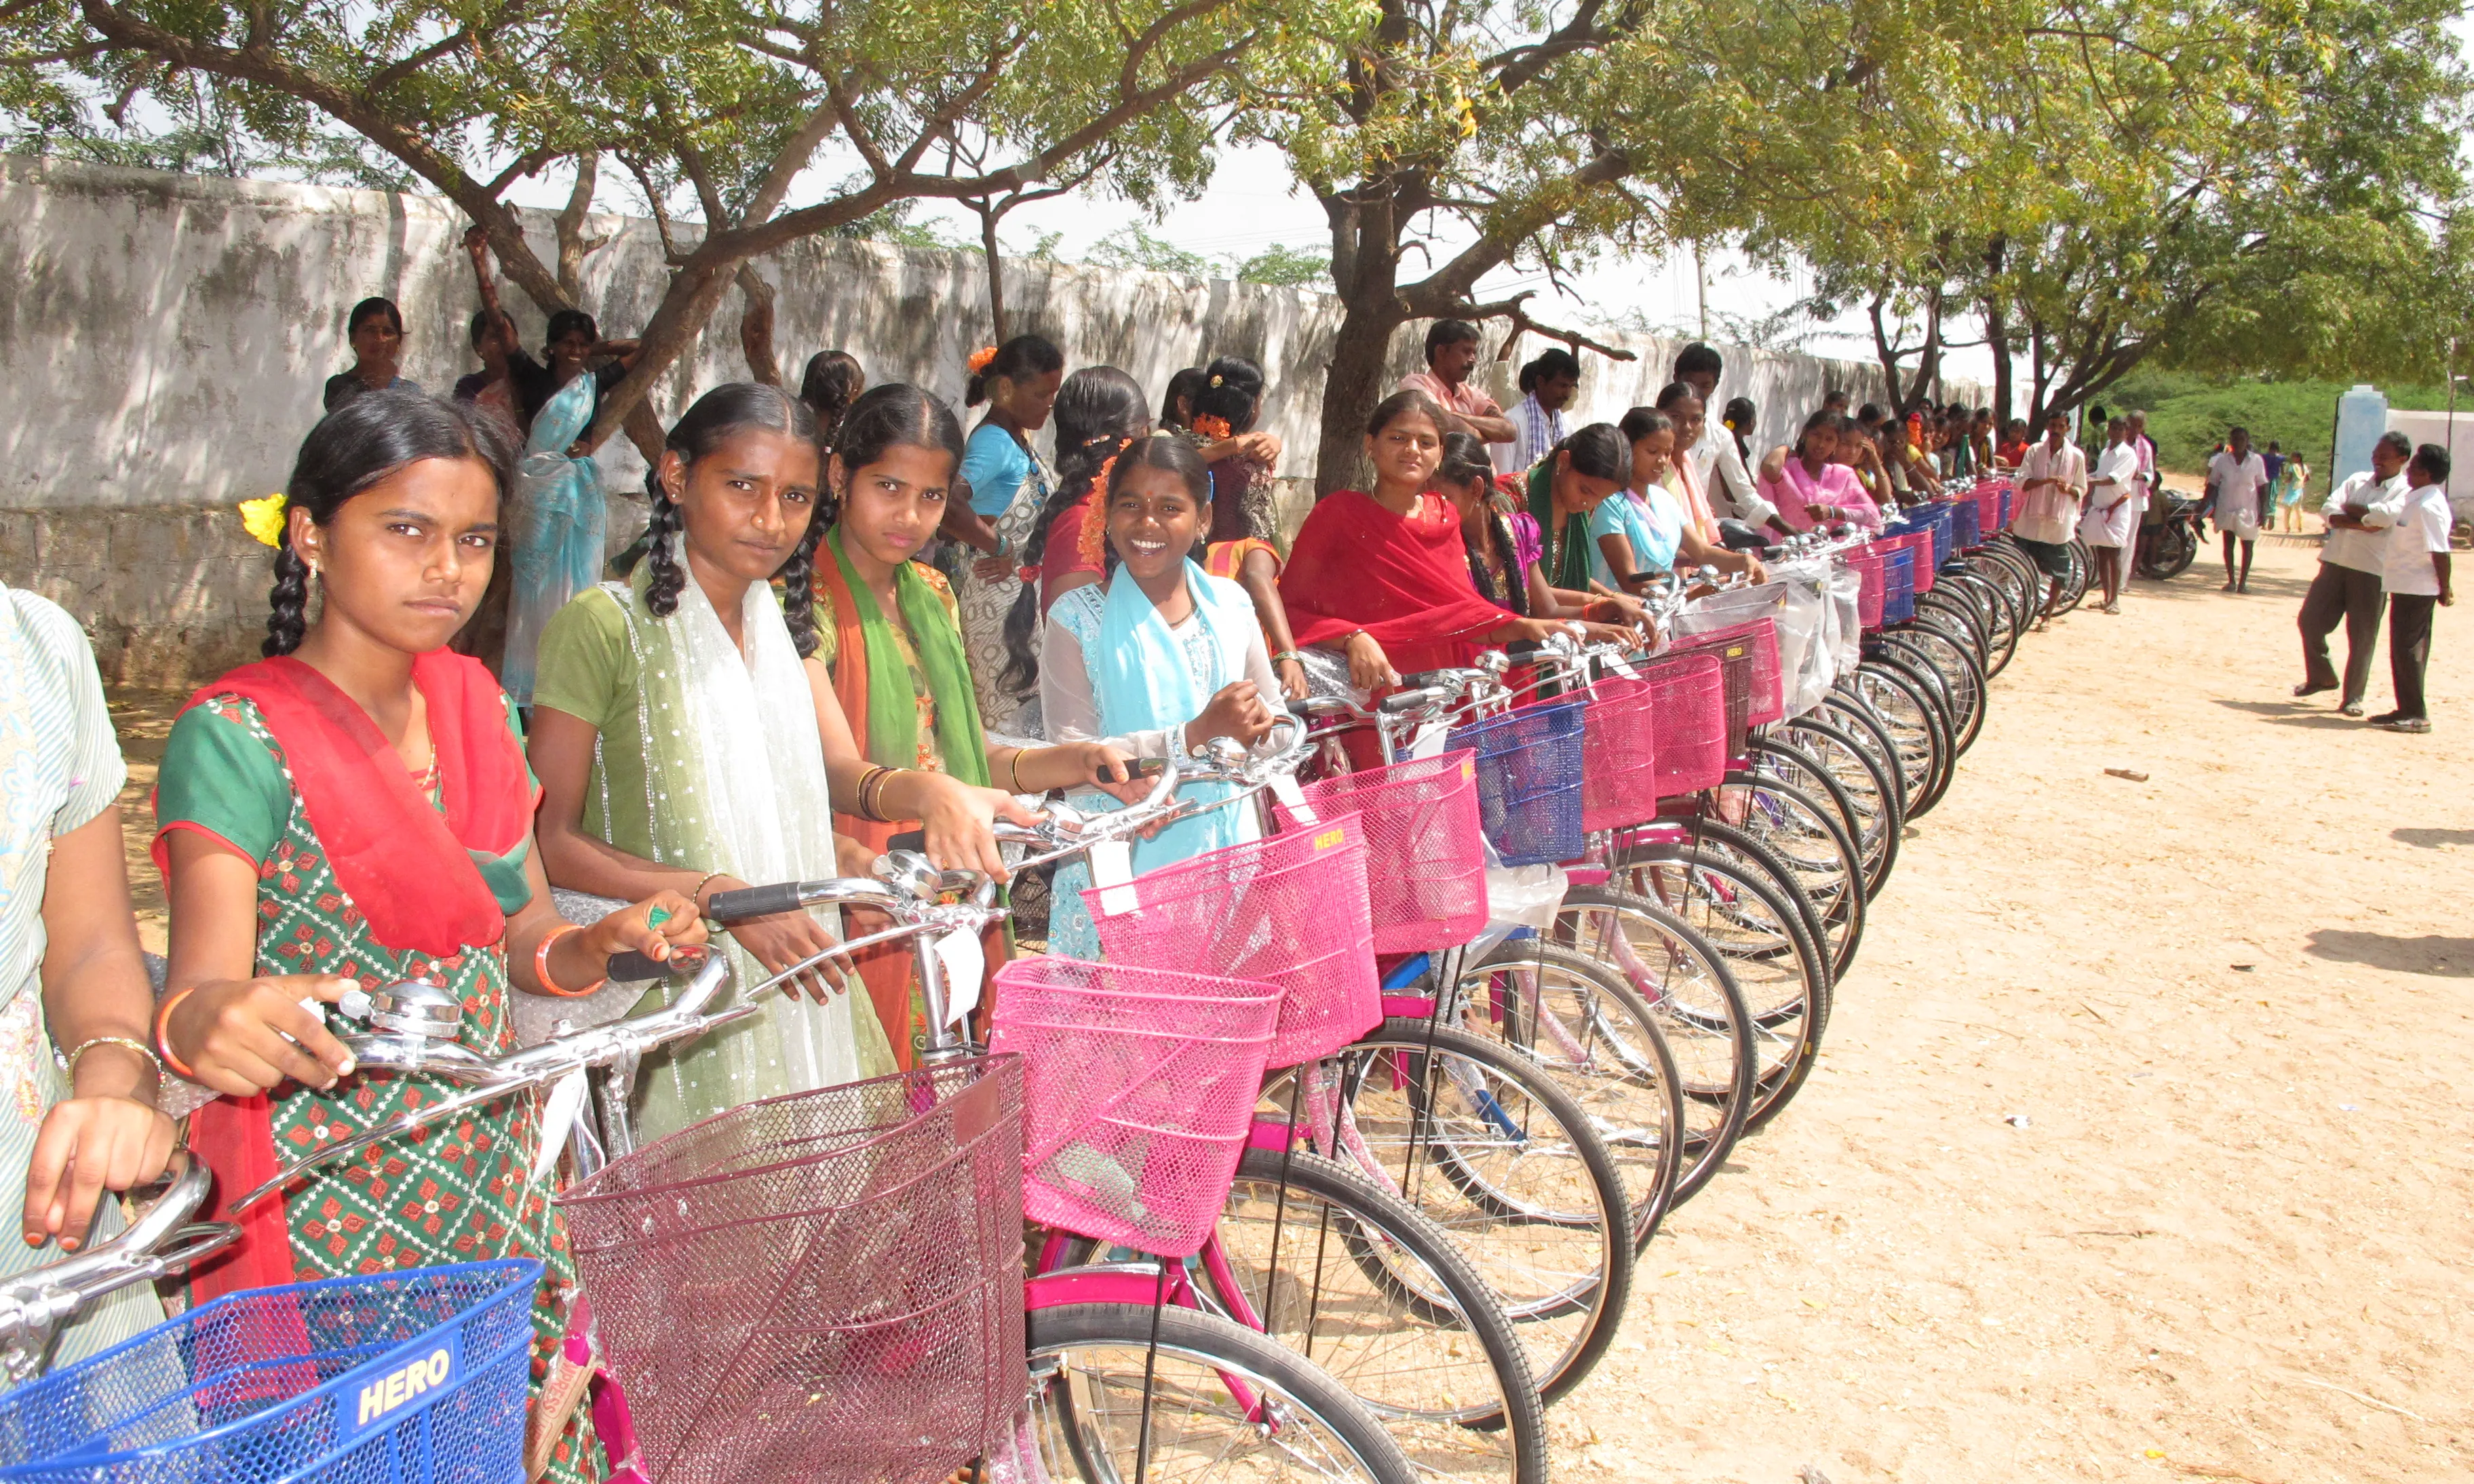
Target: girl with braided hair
1099 411
356 808
688 737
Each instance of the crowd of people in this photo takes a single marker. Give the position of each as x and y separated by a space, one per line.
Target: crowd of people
847 617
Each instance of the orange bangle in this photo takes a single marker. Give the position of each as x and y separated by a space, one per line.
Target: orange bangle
541 964
162 1020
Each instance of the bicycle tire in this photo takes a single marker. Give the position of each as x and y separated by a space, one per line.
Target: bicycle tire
1954 666
1867 781
1334 1222
1846 710
1804 836
1780 972
1586 1286
1776 755
1217 1349
1682 982
1712 833
2005 624
1918 726
1580 1024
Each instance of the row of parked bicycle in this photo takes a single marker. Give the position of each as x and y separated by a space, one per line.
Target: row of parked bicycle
1340 1165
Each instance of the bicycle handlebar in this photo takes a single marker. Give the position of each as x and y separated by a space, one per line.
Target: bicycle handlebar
160 1239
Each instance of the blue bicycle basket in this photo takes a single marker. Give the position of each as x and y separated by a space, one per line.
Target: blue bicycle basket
1965 521
418 1377
1529 780
1898 585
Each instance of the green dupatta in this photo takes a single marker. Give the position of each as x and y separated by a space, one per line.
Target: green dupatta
892 711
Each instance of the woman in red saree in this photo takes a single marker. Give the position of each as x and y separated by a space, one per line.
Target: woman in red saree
1382 577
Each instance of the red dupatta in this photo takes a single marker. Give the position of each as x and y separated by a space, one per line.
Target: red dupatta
407 868
1404 579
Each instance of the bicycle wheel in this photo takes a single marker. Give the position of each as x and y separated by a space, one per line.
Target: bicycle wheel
1485 1144
1908 710
1380 1298
1579 1023
1866 781
1690 994
2002 623
2074 586
1774 753
1804 836
1951 669
1777 967
1846 710
1089 1363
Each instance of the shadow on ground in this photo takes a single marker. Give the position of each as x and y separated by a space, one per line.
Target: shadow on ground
2446 957
2294 713
2433 839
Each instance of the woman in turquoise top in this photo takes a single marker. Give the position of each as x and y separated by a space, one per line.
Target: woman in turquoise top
1009 487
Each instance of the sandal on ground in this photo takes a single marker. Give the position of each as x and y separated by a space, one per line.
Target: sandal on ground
2306 688
2411 725
2351 709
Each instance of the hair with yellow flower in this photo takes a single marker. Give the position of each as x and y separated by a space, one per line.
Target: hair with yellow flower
263 518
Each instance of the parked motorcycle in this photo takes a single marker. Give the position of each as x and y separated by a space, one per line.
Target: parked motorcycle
2172 543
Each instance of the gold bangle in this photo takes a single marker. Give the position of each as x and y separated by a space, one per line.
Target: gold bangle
1014 770
859 792
695 897
92 1041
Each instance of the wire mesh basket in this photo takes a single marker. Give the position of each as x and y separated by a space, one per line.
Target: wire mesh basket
1750 650
823 1285
1898 582
1140 1092
1687 712
1918 544
1425 859
1620 775
419 1377
1292 910
1529 780
1966 524
1871 580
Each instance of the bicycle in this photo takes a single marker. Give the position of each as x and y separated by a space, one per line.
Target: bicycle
159 1240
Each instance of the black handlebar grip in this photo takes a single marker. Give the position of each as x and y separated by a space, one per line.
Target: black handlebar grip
908 840
630 966
1401 702
1420 679
754 902
1521 649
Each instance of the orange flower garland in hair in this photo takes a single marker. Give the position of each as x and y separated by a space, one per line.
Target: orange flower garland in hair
1093 547
979 358
1212 429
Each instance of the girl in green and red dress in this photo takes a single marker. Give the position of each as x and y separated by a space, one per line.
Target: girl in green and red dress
357 806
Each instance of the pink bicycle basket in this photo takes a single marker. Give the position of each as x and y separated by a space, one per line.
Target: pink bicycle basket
1765 698
1873 585
824 1285
1425 860
1921 543
1140 1090
1688 713
1290 909
1620 779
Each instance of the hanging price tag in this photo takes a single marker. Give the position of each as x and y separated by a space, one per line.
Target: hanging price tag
1112 872
964 960
1429 740
559 1112
1621 667
1293 798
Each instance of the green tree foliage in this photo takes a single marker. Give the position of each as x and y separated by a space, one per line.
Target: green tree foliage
1287 266
725 114
1132 247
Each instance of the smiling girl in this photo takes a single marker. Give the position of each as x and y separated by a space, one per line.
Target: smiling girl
1157 661
892 639
357 806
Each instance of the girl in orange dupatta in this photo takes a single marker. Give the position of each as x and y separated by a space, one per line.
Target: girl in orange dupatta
894 645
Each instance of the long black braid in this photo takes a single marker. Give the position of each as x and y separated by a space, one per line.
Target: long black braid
718 415
1098 410
1465 463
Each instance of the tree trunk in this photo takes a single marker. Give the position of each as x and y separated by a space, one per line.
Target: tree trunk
573 246
756 327
996 276
1996 339
1353 384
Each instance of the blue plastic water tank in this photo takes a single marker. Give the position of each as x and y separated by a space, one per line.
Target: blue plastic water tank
2362 416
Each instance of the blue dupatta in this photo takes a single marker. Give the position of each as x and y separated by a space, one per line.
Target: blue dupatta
556 530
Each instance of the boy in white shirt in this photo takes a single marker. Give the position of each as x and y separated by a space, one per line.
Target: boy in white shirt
2415 574
2237 488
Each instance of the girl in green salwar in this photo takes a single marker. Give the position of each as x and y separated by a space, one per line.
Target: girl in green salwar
687 738
355 807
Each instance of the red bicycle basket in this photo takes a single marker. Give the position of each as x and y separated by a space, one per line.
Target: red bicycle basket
1765 698
1139 1092
1874 585
824 1285
1290 909
1619 777
1425 861
1688 713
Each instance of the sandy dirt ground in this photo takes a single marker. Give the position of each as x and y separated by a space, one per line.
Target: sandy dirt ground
2229 1008
2230 1005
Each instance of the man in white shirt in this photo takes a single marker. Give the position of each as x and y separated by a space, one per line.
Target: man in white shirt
1718 464
2414 573
1549 385
2347 584
2053 479
2236 493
